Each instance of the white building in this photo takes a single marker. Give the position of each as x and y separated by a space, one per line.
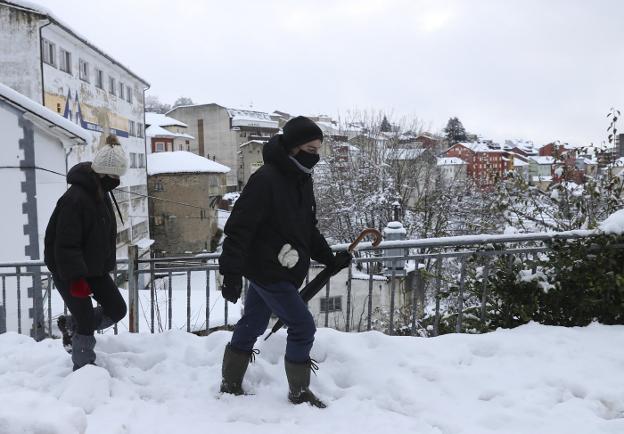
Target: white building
32 137
44 59
452 169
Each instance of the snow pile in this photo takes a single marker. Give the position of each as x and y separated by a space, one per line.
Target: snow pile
614 224
182 162
533 379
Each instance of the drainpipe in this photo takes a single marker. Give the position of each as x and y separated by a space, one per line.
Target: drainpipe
41 61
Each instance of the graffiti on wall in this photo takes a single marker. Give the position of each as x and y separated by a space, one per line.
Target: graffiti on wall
91 118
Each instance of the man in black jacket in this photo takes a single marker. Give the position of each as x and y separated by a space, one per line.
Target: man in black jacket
271 236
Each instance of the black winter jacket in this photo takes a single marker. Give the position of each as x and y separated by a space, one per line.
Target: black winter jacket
276 207
80 240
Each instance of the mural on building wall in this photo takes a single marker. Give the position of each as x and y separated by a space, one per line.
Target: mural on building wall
91 118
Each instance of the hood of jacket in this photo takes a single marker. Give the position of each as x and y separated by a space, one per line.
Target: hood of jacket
273 152
82 174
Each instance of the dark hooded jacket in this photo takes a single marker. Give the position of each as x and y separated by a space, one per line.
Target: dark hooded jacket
80 240
276 207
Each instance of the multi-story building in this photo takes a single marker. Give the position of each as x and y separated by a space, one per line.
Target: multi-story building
485 164
220 131
44 59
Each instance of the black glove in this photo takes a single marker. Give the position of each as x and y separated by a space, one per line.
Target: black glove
341 260
232 287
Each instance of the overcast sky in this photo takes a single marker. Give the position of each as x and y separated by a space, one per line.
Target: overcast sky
535 69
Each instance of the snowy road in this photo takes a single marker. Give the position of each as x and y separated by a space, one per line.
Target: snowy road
533 379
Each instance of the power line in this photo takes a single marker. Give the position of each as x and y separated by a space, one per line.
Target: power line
117 189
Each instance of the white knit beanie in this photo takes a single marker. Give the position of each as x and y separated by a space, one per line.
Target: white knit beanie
111 159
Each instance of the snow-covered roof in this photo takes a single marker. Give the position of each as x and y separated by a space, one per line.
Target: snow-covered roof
182 162
157 131
68 128
405 154
617 163
450 161
542 178
328 127
162 120
519 162
41 10
251 118
251 142
543 160
587 161
477 147
347 145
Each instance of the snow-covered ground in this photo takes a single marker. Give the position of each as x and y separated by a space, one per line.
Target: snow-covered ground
533 379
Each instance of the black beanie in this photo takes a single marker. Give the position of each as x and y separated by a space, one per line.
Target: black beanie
300 130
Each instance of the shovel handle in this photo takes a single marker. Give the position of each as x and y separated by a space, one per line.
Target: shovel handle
368 231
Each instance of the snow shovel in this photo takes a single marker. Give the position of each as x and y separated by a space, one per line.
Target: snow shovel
316 284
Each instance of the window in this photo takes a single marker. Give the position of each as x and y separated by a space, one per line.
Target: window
141 160
122 90
140 130
129 94
122 237
160 147
112 86
131 128
331 304
83 70
65 61
99 79
158 186
49 52
133 160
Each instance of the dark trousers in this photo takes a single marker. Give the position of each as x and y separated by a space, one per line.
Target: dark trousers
284 301
87 318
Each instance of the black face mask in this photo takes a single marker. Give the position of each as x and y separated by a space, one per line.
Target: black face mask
108 183
307 159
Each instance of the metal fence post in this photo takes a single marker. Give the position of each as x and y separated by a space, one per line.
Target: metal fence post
133 289
460 307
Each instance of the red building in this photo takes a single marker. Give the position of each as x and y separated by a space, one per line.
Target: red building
565 161
485 165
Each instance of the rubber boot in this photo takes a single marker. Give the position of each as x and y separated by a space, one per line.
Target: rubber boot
83 350
67 327
298 375
235 363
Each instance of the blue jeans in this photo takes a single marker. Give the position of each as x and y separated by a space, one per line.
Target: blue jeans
284 301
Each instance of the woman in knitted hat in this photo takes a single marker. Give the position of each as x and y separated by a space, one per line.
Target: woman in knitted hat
80 251
271 236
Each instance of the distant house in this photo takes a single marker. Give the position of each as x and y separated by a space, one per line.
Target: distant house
36 143
185 190
485 164
167 134
452 169
250 159
221 130
520 166
541 171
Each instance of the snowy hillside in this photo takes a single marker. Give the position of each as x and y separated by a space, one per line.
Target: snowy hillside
533 379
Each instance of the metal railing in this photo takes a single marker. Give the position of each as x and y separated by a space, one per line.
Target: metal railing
182 292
